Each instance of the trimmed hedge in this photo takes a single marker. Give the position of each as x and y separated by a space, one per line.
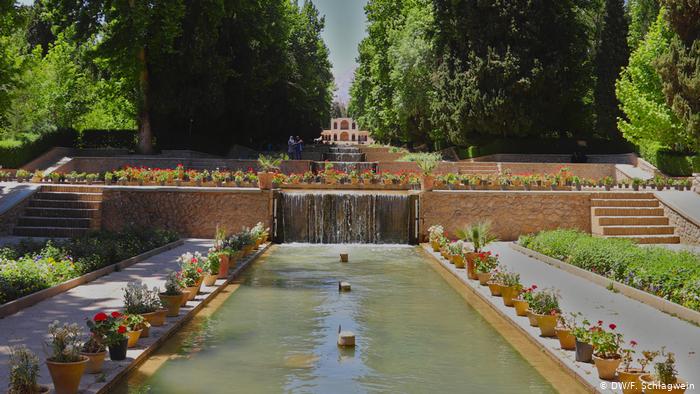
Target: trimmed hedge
673 275
14 154
490 146
92 138
30 267
669 162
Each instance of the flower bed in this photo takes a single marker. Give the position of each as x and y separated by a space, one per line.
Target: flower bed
329 176
673 275
31 267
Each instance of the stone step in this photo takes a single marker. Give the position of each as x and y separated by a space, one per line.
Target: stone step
64 204
651 239
638 230
49 232
71 189
33 221
623 196
650 203
73 196
632 220
626 211
62 212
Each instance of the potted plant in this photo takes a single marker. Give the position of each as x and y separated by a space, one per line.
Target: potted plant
567 340
24 372
545 307
660 182
434 235
427 165
608 182
268 166
495 283
665 377
139 300
66 364
135 325
576 181
484 264
96 352
457 254
584 349
511 287
630 375
191 272
172 296
522 303
606 351
211 267
479 235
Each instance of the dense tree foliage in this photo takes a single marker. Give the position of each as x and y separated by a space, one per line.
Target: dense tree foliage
612 56
448 71
642 14
189 74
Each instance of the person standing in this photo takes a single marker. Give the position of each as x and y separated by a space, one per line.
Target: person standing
299 147
291 147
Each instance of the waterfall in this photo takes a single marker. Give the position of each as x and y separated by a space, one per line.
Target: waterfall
337 218
344 153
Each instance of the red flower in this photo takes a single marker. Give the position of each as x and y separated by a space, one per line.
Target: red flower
600 322
116 315
121 329
633 343
534 287
612 326
100 317
199 270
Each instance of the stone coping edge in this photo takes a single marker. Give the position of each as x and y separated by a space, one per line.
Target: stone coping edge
510 320
677 209
19 304
7 207
653 301
182 320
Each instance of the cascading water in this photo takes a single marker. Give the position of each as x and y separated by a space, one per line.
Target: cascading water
335 217
345 153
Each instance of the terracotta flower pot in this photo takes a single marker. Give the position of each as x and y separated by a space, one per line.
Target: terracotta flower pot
427 183
532 318
547 324
458 261
566 340
653 387
95 361
157 318
133 338
584 352
630 381
66 376
193 290
145 332
495 289
471 267
607 367
484 278
172 303
224 264
117 351
265 180
185 297
210 280
509 293
435 245
521 307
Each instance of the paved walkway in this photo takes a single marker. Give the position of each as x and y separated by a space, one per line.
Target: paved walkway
12 192
105 294
637 321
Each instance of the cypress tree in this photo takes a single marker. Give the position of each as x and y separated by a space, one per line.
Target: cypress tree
612 56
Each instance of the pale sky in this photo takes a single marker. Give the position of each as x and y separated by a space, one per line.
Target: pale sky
345 28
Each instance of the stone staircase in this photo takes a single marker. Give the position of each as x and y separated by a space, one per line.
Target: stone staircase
637 216
61 211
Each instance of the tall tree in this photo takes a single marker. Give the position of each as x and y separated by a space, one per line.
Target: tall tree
642 14
133 36
611 57
679 67
9 62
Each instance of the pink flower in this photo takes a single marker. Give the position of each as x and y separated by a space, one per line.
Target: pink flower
633 343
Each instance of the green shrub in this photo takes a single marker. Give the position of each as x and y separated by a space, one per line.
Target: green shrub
92 138
669 162
420 156
29 266
15 153
669 274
